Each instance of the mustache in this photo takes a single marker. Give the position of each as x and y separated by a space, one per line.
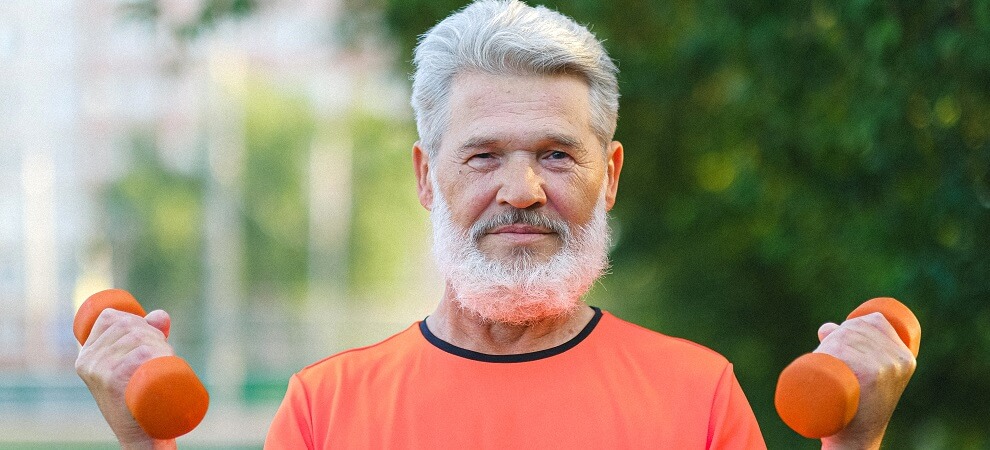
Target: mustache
517 216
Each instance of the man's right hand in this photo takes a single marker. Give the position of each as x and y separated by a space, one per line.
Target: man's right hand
117 345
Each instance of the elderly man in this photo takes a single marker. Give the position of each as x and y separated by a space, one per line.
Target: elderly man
516 108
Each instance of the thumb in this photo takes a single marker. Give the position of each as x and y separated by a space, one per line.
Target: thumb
160 320
826 329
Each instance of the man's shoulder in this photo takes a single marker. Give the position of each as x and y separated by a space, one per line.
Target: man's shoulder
384 352
643 342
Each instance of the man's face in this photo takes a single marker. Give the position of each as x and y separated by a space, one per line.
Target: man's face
523 142
518 193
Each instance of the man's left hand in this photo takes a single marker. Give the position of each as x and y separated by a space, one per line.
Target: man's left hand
870 346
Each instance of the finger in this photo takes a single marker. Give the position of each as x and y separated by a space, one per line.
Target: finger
160 320
140 355
853 336
110 325
876 326
880 323
116 333
865 345
826 329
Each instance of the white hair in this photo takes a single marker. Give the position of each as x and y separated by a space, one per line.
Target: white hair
508 37
522 290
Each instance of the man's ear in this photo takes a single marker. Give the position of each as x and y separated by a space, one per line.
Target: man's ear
421 163
615 156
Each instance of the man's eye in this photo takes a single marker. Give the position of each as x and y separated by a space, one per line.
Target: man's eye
557 154
483 161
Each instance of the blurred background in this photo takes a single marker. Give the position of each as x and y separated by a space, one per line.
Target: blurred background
244 164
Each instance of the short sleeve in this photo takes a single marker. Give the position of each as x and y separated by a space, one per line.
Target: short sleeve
733 425
291 428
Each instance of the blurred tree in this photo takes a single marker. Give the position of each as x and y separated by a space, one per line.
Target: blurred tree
188 19
382 266
155 216
787 162
278 136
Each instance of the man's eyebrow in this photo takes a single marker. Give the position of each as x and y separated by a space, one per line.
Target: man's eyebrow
563 140
480 142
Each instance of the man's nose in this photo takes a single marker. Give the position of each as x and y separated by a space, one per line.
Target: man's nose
522 186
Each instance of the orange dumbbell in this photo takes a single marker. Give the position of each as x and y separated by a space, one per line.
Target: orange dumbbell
164 395
817 394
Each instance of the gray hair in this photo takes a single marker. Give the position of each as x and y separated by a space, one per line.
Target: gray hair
502 37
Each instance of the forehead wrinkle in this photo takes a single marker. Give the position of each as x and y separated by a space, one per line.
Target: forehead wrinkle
484 107
559 139
543 103
485 129
479 94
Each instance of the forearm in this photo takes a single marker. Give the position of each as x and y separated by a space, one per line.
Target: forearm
859 436
831 445
150 444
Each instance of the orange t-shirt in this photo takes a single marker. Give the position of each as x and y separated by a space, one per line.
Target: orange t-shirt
614 385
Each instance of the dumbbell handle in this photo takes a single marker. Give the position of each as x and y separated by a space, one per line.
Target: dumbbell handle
164 395
818 395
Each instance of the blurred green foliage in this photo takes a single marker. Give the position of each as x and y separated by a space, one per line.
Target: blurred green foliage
157 223
388 230
206 13
279 131
784 163
154 218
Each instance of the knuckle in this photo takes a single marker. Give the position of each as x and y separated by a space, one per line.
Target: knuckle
872 319
844 335
907 361
136 335
143 352
112 316
130 340
83 369
85 364
114 326
149 350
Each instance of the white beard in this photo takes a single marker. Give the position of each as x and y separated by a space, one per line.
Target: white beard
521 291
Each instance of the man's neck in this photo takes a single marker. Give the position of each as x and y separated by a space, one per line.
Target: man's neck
466 330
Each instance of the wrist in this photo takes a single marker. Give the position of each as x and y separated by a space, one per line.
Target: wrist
147 444
831 443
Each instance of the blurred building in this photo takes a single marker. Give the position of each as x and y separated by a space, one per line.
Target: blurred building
76 79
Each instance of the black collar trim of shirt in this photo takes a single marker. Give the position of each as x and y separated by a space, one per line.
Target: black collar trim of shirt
521 357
